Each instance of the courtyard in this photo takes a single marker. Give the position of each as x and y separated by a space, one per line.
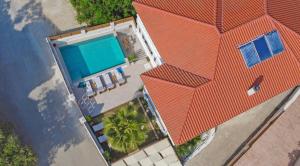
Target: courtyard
135 64
103 102
153 133
99 105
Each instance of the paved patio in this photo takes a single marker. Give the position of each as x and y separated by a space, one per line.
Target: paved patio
117 96
121 94
160 153
130 43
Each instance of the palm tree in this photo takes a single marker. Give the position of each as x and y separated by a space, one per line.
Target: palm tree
126 129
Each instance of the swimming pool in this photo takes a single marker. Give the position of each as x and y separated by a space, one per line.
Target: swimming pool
92 56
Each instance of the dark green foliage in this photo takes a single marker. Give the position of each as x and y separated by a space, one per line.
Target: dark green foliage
132 58
89 118
126 129
93 12
12 152
107 155
185 149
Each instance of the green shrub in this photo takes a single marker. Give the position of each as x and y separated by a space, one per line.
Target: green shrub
141 89
12 151
185 149
106 155
132 58
89 118
126 129
93 12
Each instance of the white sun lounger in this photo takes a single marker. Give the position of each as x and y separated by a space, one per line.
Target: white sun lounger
102 139
98 127
88 89
119 77
108 81
99 85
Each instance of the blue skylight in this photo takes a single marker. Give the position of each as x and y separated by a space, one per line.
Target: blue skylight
262 48
250 54
275 42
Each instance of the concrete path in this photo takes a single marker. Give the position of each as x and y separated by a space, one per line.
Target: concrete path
32 94
231 134
279 144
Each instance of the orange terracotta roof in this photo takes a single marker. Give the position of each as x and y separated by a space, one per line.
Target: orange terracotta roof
204 10
166 28
287 12
176 75
232 13
204 80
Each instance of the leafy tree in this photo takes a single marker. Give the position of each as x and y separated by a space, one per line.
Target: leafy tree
94 12
12 152
126 129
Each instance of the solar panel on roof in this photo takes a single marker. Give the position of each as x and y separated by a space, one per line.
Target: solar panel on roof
275 42
262 48
250 55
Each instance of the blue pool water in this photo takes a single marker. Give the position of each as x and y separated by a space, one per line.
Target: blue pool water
89 57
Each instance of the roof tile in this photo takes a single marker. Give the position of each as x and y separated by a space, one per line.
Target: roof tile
176 75
203 10
190 105
287 12
197 49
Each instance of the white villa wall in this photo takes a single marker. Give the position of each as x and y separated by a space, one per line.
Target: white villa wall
206 139
155 60
112 29
93 138
155 112
63 71
144 37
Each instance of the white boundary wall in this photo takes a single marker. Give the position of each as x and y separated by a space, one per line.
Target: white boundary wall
147 43
65 75
292 99
93 138
207 137
158 118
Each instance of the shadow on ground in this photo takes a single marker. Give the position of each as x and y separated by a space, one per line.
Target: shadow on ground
294 156
32 94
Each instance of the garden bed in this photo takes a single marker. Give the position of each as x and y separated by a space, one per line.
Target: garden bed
152 118
113 155
186 149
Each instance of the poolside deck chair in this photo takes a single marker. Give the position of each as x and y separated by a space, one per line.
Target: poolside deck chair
109 84
102 139
98 84
119 76
88 89
98 127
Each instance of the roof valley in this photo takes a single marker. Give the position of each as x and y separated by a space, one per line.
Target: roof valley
195 52
219 16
